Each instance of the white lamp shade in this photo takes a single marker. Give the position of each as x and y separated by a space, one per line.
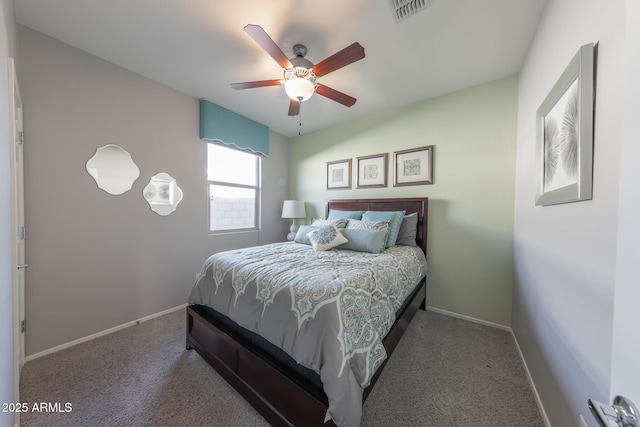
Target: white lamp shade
293 209
297 88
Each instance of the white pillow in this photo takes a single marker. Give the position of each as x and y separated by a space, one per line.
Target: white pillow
326 237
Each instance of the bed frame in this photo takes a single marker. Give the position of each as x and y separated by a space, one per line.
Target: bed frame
280 395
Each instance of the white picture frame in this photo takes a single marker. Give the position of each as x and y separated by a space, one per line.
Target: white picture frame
564 125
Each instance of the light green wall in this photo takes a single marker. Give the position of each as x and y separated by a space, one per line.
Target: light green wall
470 241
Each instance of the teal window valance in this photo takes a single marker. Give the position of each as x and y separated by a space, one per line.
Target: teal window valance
221 125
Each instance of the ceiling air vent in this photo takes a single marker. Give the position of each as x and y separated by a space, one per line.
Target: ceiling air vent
402 9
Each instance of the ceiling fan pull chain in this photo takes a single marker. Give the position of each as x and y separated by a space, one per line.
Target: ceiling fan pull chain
300 117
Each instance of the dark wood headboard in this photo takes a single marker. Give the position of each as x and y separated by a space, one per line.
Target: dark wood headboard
409 205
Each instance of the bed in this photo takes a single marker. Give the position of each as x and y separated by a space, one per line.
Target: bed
293 383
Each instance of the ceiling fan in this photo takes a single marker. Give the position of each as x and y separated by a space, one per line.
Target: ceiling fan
300 74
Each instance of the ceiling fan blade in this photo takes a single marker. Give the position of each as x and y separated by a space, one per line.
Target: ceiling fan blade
260 83
335 95
346 56
263 39
294 107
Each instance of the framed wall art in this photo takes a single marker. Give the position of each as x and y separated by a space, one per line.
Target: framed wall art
372 171
413 166
339 175
564 125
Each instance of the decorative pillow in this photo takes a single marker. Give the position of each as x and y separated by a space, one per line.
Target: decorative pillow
371 241
339 223
326 237
301 235
355 224
408 230
336 214
395 219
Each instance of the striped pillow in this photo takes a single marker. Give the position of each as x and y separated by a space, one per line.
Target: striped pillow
356 224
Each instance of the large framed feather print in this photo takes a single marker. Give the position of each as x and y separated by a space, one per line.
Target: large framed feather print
565 134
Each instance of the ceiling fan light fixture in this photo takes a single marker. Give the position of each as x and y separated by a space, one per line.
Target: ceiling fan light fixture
299 83
300 74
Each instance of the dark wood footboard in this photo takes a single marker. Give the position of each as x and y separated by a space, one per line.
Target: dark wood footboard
280 397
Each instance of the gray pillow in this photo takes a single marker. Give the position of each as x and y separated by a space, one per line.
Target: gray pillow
408 230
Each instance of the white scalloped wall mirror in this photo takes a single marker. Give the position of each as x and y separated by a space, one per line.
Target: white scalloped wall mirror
113 169
162 193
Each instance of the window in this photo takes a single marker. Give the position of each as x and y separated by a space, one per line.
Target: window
234 189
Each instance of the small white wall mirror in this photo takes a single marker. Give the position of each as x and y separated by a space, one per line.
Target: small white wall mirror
113 169
162 193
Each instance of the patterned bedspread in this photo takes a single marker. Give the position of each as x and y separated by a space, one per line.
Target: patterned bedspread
328 310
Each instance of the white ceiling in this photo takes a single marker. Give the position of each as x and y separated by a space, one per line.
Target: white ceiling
199 46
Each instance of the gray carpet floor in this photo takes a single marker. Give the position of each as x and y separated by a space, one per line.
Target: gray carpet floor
444 372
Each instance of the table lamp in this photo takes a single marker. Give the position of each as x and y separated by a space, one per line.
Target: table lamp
293 209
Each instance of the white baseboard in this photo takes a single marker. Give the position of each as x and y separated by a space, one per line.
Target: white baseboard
515 340
103 333
436 310
533 386
471 319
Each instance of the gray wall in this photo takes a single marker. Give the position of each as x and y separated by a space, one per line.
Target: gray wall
470 236
97 261
7 49
565 255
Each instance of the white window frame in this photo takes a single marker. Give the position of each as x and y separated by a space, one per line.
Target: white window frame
257 188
